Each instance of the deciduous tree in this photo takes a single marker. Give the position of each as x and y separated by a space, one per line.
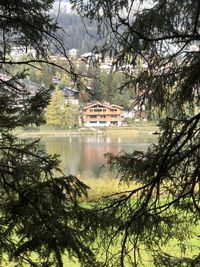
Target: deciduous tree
59 113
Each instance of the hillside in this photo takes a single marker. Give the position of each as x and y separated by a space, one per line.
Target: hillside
76 33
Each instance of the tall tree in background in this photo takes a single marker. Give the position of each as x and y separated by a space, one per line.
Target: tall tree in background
40 219
95 83
166 35
55 109
60 114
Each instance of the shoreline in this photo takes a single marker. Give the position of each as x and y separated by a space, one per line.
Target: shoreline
105 132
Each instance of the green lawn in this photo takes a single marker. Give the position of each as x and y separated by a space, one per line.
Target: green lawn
171 248
106 185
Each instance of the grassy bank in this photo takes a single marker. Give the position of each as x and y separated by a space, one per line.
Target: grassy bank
44 131
106 184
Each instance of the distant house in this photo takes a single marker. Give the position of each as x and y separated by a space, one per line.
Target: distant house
71 95
30 86
102 114
73 52
25 88
19 51
24 85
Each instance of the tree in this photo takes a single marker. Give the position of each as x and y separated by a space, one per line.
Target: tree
65 81
95 83
165 34
76 33
55 109
60 114
40 218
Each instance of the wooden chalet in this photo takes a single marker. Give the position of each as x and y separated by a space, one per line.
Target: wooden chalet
71 95
102 114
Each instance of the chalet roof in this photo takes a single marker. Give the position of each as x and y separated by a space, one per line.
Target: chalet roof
106 105
29 85
113 105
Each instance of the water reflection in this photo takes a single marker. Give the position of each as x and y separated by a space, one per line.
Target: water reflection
86 153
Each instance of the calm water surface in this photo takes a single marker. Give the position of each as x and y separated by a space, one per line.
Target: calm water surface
80 154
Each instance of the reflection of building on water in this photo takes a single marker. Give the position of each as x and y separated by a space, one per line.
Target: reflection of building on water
81 153
108 139
99 138
95 139
102 139
119 140
94 154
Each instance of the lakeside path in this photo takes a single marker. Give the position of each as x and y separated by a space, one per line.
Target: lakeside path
128 131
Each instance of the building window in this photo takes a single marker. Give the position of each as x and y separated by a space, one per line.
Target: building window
114 116
91 110
93 122
97 109
104 109
93 116
102 116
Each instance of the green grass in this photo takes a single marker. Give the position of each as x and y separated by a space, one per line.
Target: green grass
134 130
105 185
172 248
102 186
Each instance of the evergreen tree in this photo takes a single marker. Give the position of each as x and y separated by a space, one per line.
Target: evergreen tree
45 77
97 93
76 33
40 218
165 34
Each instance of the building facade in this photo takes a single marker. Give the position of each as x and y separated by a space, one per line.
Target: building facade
71 95
102 114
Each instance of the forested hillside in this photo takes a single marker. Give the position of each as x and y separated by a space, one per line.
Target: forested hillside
77 33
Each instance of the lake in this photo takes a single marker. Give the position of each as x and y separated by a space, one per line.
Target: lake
80 154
